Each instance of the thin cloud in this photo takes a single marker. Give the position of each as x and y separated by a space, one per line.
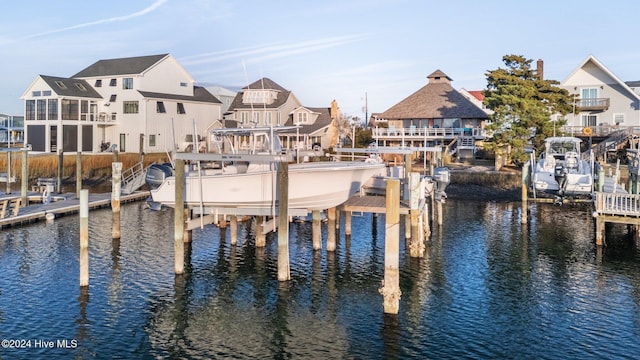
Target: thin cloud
142 12
271 51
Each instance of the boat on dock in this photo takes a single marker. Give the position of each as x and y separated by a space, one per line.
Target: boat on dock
251 185
561 170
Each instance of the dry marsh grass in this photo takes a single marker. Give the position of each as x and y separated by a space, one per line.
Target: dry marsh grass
94 166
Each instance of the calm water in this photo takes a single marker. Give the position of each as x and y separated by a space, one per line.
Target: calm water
487 288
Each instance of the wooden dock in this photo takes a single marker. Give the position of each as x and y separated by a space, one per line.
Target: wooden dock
371 204
60 205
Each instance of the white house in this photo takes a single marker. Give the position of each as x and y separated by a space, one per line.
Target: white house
602 99
146 103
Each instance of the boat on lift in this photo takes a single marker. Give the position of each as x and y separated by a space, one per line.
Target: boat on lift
251 185
561 170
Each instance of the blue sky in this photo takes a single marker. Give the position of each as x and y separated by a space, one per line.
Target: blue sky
320 50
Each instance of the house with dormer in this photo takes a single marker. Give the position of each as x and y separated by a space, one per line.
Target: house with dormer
266 103
146 103
434 115
603 102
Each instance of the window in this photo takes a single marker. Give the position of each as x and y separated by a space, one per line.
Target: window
61 85
130 107
267 118
244 117
589 120
81 87
46 93
152 139
255 118
589 97
113 82
53 109
70 109
618 118
183 84
181 108
35 93
84 109
302 118
160 107
30 110
113 98
127 83
98 83
41 110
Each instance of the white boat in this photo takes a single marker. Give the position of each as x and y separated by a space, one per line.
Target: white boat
561 170
252 186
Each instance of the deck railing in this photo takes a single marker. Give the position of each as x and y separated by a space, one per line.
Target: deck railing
430 133
618 204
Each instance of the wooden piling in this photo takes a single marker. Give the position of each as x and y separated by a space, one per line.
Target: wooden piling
525 193
60 167
426 226
8 188
78 173
416 245
24 177
178 214
283 222
440 215
316 230
331 229
347 223
261 238
84 237
234 229
116 186
390 288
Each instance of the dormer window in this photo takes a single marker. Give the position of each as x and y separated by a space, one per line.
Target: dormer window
80 87
61 85
259 97
303 118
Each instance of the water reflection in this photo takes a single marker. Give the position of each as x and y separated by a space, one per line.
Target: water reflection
488 287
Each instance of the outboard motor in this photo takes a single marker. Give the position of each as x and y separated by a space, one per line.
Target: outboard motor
560 174
156 173
442 177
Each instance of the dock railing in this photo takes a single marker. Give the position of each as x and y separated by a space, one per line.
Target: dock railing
619 204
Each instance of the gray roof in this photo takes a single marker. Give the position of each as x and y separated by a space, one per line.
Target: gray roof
633 84
436 100
200 94
70 87
122 66
266 84
323 120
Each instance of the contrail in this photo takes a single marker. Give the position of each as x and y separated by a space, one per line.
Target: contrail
144 11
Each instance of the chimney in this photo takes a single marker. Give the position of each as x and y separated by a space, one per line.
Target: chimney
540 65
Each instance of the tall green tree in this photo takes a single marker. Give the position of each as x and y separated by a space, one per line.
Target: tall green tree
523 104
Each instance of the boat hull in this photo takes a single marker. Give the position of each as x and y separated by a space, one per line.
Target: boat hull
312 186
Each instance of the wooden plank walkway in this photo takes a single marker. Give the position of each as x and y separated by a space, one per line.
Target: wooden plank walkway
371 204
63 204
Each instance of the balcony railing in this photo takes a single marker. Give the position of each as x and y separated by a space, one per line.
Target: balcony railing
428 133
595 104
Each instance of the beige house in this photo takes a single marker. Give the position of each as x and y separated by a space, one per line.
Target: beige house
603 101
435 115
266 103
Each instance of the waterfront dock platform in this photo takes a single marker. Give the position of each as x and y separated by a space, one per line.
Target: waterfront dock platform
15 213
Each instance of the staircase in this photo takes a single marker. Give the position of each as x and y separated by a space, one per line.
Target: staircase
616 140
133 178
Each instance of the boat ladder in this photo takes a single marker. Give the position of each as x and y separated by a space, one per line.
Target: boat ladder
133 178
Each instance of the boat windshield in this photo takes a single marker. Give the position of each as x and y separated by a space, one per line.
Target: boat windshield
562 147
